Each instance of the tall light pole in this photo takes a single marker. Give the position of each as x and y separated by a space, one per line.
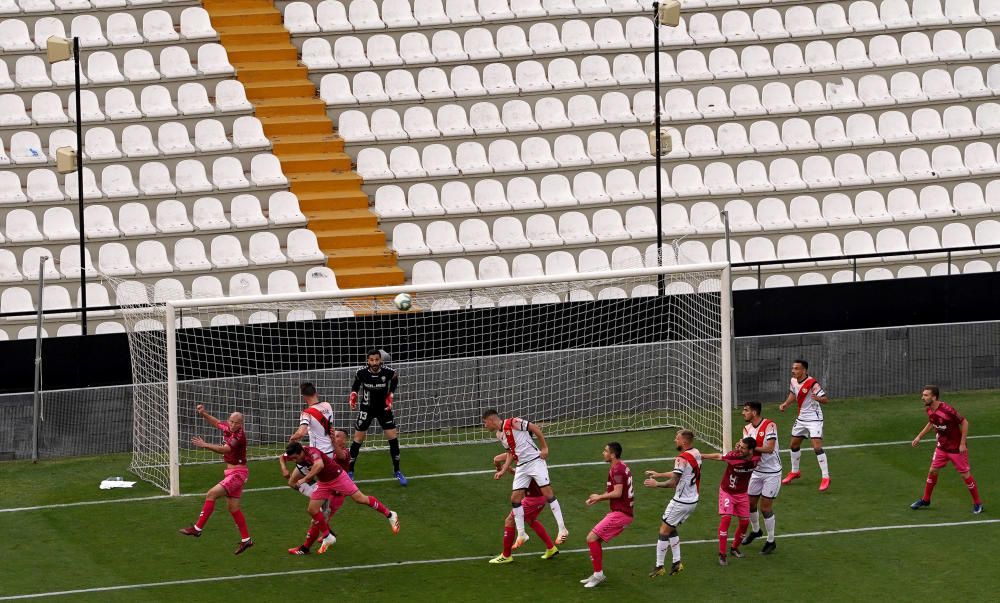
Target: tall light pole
667 13
61 49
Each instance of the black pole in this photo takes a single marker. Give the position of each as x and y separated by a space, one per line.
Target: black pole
79 186
660 281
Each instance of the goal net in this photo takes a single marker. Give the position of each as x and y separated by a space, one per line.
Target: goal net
578 354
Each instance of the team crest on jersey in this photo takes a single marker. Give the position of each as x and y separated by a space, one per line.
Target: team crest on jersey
383 378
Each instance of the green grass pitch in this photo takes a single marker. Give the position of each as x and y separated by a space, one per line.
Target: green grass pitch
452 525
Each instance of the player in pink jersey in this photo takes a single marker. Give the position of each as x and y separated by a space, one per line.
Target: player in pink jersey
332 481
339 456
733 497
619 493
952 431
533 503
234 452
810 396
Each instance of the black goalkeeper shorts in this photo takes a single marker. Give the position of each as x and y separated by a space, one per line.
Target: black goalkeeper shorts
384 416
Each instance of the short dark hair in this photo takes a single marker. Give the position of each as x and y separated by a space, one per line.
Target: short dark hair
343 431
374 352
490 412
293 449
687 434
804 363
307 389
616 449
933 389
751 443
754 406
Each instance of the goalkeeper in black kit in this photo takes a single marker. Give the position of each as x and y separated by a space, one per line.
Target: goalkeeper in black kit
373 387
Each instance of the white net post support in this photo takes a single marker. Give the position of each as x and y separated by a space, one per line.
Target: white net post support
585 353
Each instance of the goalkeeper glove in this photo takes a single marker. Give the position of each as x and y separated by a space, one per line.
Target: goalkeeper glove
354 400
388 401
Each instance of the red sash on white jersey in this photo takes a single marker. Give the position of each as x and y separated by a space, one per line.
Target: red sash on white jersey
317 414
762 431
508 432
804 388
687 456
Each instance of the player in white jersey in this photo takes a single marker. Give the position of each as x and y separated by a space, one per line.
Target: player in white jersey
765 482
315 422
811 397
515 435
686 480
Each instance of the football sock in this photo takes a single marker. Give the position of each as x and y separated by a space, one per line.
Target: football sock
754 521
741 529
394 453
557 512
824 467
312 535
769 526
724 522
973 489
307 489
596 556
675 548
378 506
518 517
206 512
929 486
355 450
508 540
241 523
322 527
540 530
796 457
661 549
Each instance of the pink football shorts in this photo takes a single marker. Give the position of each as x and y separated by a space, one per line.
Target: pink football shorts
959 459
612 525
233 481
533 506
734 504
341 486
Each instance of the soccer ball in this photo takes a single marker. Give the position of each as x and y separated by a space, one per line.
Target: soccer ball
403 301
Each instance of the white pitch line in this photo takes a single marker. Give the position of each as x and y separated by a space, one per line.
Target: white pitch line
421 477
350 568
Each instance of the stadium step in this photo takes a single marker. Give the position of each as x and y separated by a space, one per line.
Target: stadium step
304 140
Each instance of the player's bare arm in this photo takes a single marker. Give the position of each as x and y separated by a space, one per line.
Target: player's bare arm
200 409
543 448
216 448
299 433
712 456
965 433
652 478
317 466
788 400
922 433
616 492
506 465
282 460
821 399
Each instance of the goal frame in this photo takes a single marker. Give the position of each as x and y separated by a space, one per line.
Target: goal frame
725 317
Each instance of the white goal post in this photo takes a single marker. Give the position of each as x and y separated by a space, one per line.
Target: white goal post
582 353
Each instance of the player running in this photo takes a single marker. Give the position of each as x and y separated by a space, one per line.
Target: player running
686 479
733 499
332 482
514 434
234 452
810 396
621 496
765 483
533 504
375 385
952 431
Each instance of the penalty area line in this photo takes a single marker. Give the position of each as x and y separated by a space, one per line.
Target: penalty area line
448 560
84 503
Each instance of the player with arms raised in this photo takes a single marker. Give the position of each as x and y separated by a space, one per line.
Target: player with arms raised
234 452
811 397
618 491
514 434
952 431
733 499
533 503
765 483
374 385
686 479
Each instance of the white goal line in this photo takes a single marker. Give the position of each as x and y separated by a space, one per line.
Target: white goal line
413 562
84 503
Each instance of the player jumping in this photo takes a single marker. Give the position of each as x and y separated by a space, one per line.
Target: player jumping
619 493
339 456
533 504
514 434
952 431
234 452
765 483
686 478
332 482
809 395
375 384
315 422
733 499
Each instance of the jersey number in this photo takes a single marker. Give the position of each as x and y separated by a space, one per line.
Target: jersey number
732 481
631 492
362 415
